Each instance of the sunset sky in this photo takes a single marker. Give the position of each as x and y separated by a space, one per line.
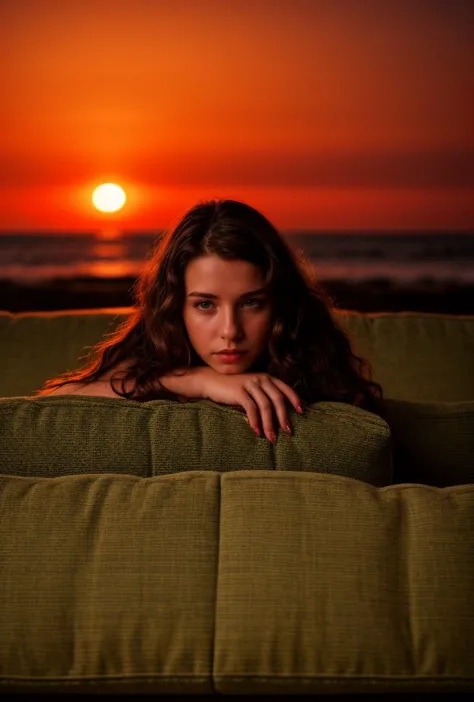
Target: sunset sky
324 114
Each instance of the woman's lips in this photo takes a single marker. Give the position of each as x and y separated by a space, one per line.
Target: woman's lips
231 356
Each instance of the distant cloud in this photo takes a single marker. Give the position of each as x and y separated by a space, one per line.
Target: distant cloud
393 169
453 168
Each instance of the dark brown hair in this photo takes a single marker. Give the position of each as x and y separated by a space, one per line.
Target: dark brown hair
307 349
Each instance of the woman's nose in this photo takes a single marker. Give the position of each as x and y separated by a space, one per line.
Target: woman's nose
231 327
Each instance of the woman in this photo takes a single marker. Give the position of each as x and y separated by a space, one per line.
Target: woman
225 312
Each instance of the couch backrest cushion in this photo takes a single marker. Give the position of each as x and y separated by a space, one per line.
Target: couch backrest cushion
433 442
330 585
415 356
65 434
38 346
108 581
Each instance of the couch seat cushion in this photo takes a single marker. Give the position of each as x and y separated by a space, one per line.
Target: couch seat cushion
329 585
108 583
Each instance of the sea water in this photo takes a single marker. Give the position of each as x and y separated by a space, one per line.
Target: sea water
400 257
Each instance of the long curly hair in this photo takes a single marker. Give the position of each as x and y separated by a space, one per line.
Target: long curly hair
307 349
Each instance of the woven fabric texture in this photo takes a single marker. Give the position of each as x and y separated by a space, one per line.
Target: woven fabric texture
327 583
110 580
245 582
65 434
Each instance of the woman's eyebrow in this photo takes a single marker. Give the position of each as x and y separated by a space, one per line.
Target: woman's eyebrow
260 291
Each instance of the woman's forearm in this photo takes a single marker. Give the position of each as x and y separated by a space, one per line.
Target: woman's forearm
188 382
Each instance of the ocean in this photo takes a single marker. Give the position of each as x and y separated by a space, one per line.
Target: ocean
399 257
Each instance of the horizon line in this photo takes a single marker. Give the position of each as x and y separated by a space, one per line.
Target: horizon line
287 230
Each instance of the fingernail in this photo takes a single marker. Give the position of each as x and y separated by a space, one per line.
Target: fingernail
272 437
287 428
258 432
299 409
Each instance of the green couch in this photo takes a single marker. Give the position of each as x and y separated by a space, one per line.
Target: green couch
266 570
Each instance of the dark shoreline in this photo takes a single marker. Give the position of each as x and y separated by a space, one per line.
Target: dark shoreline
370 296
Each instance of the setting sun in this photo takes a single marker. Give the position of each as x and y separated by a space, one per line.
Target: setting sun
108 197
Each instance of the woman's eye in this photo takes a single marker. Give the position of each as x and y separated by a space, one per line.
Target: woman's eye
253 302
207 305
203 305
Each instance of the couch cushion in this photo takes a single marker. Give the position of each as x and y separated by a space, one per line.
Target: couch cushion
59 435
417 356
329 585
37 346
108 583
433 442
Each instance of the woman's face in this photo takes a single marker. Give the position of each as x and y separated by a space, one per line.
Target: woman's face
227 312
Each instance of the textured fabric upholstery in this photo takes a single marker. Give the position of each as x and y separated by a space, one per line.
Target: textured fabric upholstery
65 434
252 581
416 356
327 584
108 580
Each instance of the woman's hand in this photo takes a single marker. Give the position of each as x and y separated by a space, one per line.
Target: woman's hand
260 394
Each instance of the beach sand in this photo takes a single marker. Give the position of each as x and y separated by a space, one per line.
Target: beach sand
371 296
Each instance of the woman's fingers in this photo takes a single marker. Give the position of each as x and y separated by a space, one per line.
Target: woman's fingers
264 397
252 412
265 407
279 403
289 393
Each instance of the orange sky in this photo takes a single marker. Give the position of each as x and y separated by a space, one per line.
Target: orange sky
325 114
